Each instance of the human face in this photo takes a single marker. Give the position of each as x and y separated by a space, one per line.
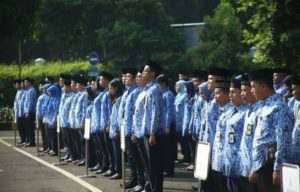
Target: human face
247 96
67 89
124 78
26 84
211 82
79 87
235 96
296 92
182 77
73 85
138 79
130 80
203 96
278 77
17 85
221 97
257 90
94 86
176 88
196 82
103 82
61 82
147 74
112 90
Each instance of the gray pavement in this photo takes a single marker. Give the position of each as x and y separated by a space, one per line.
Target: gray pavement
23 172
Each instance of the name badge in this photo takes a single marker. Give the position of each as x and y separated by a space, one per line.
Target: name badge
258 131
231 138
218 136
196 115
249 129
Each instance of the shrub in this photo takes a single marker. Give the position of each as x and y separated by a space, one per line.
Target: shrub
6 114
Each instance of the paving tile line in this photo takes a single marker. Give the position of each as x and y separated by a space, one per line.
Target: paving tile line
62 171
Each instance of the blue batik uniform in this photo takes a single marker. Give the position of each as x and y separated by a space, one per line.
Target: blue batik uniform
245 152
18 101
72 110
30 101
105 111
211 118
114 118
295 152
217 162
291 103
128 111
52 107
138 115
65 108
89 108
41 106
187 117
168 108
80 109
204 104
95 117
122 103
63 95
281 90
197 115
179 107
274 126
152 121
233 135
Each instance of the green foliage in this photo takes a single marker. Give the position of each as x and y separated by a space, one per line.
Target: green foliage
38 73
140 32
221 40
272 29
6 114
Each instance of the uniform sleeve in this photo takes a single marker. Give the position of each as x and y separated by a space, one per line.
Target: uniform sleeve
170 110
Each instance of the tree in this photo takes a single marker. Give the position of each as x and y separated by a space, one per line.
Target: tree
140 32
273 31
220 40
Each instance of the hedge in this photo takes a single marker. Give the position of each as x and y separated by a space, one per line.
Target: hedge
38 73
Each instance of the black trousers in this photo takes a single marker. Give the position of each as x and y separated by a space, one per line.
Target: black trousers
265 179
170 148
21 129
219 180
73 144
135 162
109 149
29 128
153 157
246 186
95 138
44 133
116 144
66 137
52 137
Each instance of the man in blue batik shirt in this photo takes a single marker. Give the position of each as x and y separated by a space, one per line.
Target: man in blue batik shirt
29 110
295 153
245 152
273 133
168 124
217 162
233 134
18 110
152 126
278 75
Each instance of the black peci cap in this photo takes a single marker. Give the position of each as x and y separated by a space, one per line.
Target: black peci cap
236 82
245 80
282 70
132 71
217 71
65 76
154 67
296 80
106 75
261 74
224 84
200 74
30 80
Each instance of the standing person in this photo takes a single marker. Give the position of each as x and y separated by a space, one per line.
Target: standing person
272 140
197 78
168 125
51 118
64 108
278 75
18 110
29 111
188 107
79 117
183 75
41 107
152 149
217 160
234 129
126 113
245 152
115 93
295 152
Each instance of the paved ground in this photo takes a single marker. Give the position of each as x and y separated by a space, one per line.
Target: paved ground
22 170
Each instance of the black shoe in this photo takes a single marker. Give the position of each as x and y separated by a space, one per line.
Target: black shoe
30 145
53 153
130 184
195 188
100 171
81 163
116 176
65 157
108 173
166 174
69 160
137 188
95 168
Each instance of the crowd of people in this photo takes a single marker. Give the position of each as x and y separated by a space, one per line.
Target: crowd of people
250 120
